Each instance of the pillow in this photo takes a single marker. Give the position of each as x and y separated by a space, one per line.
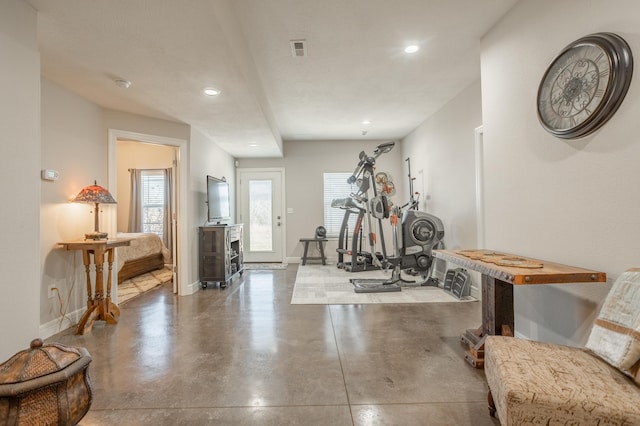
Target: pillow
615 336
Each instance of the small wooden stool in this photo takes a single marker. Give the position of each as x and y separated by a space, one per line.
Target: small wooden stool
320 242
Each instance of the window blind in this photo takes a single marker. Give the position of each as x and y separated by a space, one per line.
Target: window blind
336 186
153 201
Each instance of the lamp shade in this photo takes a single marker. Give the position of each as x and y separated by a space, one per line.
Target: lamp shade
94 194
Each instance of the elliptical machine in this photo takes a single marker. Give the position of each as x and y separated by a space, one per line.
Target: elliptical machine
359 204
420 232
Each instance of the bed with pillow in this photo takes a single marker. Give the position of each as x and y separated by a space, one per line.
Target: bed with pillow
146 253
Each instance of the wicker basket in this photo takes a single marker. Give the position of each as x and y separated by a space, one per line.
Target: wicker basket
45 385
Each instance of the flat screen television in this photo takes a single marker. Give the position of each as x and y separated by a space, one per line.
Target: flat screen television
218 201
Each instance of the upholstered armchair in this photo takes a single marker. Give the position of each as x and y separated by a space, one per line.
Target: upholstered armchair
533 383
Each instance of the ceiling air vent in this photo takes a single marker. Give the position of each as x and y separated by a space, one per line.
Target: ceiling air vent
298 48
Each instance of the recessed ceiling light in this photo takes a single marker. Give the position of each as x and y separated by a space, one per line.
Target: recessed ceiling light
412 49
125 84
365 122
253 145
210 91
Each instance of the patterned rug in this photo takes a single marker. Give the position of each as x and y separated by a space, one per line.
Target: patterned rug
328 285
137 285
256 266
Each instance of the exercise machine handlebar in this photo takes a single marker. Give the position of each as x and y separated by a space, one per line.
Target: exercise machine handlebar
413 201
383 148
366 160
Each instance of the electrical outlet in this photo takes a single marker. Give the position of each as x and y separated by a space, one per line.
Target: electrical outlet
51 291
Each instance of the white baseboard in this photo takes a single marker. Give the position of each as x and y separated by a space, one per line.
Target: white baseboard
192 288
474 291
56 326
330 260
71 319
520 336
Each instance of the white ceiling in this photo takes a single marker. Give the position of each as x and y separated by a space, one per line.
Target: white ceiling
355 69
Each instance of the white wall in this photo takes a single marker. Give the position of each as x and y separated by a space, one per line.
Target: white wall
120 126
205 158
20 173
304 163
118 120
573 202
73 143
443 162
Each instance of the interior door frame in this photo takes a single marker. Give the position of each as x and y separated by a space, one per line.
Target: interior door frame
478 137
479 165
183 258
281 170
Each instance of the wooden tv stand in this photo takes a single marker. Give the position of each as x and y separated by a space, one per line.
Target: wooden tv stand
220 254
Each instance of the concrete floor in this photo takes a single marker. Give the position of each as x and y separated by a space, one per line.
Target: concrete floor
245 356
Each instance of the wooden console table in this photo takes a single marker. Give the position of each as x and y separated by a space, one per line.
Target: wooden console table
99 307
497 291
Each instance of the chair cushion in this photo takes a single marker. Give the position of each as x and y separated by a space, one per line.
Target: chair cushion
541 383
615 335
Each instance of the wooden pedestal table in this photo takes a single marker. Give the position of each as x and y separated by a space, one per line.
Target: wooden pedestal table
498 279
99 305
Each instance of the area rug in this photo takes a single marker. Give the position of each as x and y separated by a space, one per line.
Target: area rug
328 285
256 266
135 286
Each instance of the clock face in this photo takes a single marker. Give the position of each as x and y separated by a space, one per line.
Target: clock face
584 85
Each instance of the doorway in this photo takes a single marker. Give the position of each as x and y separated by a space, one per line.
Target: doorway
261 206
178 222
146 203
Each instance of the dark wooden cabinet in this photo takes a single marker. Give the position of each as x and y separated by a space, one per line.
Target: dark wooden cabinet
220 254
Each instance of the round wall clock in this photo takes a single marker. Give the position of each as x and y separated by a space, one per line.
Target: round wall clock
584 85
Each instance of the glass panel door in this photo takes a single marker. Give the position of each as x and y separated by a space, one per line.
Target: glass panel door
260 210
260 215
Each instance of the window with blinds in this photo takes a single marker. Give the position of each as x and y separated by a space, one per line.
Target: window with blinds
336 186
152 194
